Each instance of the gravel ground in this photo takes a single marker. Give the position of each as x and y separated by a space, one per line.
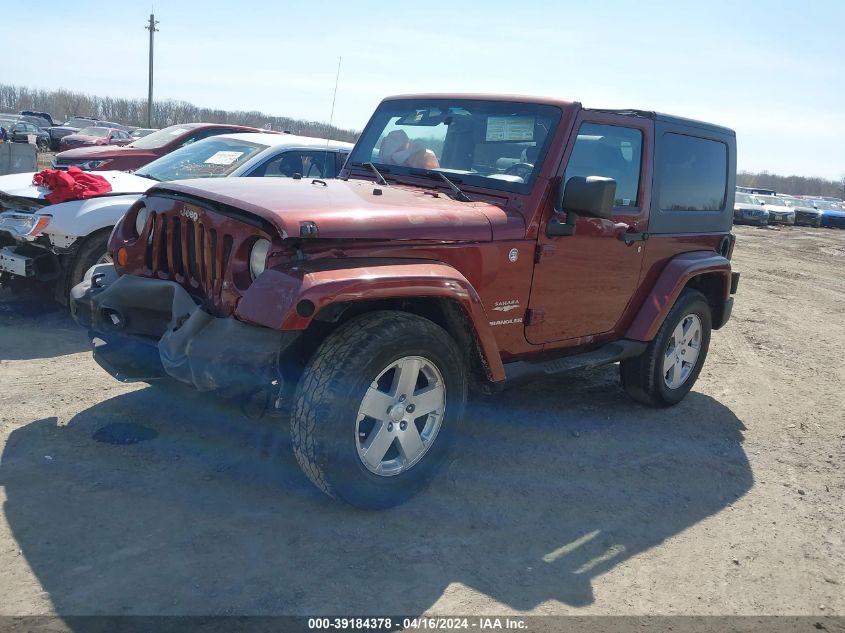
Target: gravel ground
564 496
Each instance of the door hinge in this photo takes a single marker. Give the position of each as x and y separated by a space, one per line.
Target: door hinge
543 250
534 316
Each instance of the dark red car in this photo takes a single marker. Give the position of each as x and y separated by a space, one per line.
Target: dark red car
144 150
95 136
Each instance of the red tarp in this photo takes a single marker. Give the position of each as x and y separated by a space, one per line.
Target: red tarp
73 184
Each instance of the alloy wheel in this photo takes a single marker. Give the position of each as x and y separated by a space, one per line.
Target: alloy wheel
682 351
400 415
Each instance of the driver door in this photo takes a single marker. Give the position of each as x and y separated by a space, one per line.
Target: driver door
584 282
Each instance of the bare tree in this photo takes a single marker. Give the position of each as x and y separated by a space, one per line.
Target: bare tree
62 104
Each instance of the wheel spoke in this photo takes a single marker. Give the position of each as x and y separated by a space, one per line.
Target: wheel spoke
428 401
406 380
668 361
379 441
375 404
410 442
678 334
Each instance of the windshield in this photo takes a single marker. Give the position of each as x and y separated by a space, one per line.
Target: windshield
80 123
499 145
140 132
94 131
744 198
824 205
160 138
798 202
213 157
771 200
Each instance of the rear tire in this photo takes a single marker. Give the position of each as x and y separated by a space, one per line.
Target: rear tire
355 436
662 376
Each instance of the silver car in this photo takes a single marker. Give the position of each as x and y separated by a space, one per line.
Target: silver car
779 213
749 210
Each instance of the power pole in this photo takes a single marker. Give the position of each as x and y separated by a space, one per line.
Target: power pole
151 27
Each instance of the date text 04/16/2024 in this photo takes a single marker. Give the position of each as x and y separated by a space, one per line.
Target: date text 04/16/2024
428 624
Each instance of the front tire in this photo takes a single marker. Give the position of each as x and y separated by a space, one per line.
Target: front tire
377 408
93 250
669 367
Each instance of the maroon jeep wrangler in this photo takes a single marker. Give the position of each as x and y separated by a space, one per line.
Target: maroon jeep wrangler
472 241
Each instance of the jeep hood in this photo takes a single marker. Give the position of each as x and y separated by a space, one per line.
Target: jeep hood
19 187
353 209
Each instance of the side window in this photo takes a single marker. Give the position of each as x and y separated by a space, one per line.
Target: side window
31 129
611 151
307 163
693 173
340 160
201 134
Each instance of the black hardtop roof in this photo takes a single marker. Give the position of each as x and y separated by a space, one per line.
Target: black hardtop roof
666 118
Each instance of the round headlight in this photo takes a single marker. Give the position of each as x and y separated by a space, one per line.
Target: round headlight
258 257
141 220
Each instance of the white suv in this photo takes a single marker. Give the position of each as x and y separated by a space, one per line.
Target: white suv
57 244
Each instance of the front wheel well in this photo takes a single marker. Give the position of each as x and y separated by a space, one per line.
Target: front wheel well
446 313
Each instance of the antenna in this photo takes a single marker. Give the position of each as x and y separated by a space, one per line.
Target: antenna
331 116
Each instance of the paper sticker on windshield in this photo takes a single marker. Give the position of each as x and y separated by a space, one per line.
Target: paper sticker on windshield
223 158
510 128
181 130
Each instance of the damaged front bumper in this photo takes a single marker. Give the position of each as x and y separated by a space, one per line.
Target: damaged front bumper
27 261
144 329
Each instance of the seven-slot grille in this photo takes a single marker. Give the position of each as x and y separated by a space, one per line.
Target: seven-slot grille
188 251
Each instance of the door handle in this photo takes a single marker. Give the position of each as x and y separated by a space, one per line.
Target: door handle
631 237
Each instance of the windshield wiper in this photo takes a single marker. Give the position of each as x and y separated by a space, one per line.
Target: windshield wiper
379 178
148 176
433 173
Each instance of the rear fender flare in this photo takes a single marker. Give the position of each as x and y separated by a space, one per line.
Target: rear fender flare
671 282
279 299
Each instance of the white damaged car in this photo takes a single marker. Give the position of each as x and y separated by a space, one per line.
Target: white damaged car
56 244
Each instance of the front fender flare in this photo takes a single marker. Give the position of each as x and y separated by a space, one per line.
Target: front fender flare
671 282
272 300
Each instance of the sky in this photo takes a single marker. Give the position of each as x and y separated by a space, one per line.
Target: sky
774 71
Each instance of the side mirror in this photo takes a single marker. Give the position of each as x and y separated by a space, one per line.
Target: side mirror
592 197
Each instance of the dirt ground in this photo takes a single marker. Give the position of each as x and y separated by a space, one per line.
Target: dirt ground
563 497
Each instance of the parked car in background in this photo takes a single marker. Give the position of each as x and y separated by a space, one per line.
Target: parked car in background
779 213
749 210
56 244
140 132
833 214
95 136
21 131
806 213
7 122
74 124
45 120
146 149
